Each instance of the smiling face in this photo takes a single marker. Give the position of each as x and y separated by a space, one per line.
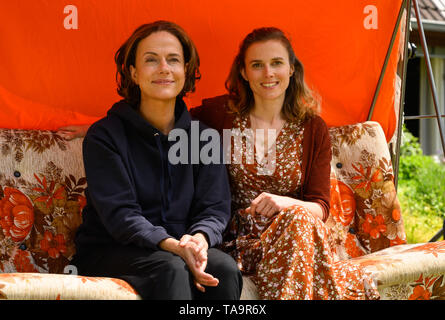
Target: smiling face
159 68
267 70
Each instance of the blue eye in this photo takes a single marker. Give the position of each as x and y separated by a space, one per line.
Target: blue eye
257 65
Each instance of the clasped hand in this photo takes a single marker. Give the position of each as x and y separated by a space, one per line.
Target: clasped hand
193 249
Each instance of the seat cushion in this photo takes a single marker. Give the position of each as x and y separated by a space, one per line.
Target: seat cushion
409 271
44 286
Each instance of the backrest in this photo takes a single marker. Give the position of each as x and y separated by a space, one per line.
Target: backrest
365 213
42 183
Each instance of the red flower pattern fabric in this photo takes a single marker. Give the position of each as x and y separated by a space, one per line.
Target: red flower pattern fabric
16 214
40 207
365 214
54 245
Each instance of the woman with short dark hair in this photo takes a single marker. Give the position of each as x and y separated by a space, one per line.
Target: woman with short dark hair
147 221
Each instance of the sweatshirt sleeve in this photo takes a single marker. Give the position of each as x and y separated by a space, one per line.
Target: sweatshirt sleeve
211 204
318 168
113 195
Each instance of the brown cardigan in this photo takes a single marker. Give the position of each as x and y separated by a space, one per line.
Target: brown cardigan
317 153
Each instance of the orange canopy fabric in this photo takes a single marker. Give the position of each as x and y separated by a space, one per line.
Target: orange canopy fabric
52 76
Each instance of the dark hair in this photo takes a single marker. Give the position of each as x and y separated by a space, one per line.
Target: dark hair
126 56
299 103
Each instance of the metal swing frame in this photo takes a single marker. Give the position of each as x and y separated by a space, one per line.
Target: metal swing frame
406 5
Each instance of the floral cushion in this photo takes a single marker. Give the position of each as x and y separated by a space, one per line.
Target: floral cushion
42 183
40 286
365 213
409 272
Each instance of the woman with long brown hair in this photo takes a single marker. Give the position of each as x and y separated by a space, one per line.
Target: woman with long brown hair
280 200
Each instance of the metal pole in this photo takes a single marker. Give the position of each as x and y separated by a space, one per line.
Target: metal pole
433 90
427 116
430 71
407 5
385 64
438 234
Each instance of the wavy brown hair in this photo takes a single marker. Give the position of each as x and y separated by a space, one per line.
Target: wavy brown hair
299 103
126 56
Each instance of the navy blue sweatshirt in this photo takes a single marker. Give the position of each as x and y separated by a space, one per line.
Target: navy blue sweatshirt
135 196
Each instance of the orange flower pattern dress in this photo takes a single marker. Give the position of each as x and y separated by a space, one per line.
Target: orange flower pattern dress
291 255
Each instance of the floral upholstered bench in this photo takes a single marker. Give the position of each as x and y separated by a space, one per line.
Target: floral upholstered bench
42 183
366 219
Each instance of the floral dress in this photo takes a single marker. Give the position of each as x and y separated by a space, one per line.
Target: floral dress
289 255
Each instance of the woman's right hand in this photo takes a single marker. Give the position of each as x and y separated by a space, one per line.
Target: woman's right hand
193 249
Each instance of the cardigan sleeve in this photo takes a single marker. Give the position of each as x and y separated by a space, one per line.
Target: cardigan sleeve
212 112
317 163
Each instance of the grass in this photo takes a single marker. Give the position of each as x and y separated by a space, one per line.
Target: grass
421 191
419 227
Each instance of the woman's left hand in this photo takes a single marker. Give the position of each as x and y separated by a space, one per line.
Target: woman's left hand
72 132
268 204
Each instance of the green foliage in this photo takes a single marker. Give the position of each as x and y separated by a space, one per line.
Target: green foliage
421 223
421 189
410 145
